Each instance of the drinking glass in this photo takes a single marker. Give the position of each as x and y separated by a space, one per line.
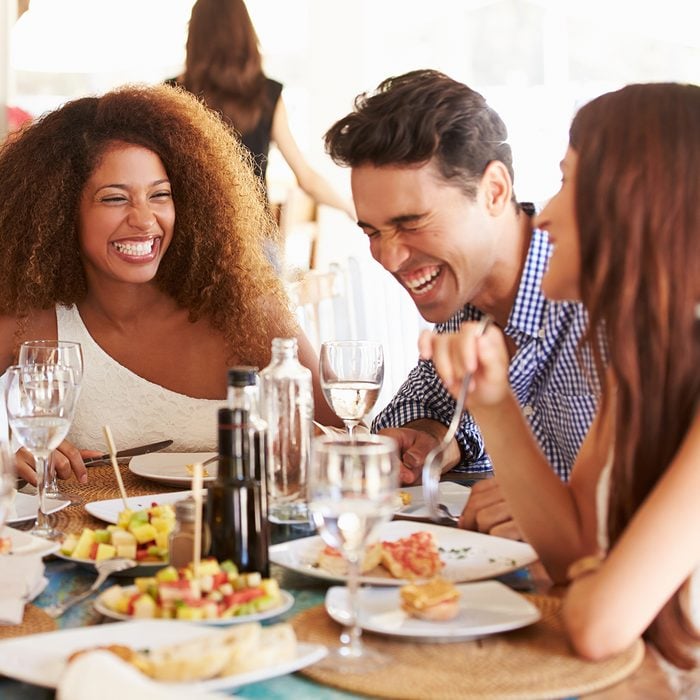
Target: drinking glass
351 374
66 353
8 480
40 400
353 484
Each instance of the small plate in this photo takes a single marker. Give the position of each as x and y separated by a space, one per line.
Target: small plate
40 659
24 543
147 569
108 510
485 608
286 604
25 507
454 496
170 467
468 556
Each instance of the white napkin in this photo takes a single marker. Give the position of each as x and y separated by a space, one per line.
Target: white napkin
100 674
20 577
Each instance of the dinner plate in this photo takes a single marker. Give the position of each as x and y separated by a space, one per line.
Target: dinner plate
41 658
108 510
24 543
143 569
286 604
170 467
25 507
468 556
485 608
454 496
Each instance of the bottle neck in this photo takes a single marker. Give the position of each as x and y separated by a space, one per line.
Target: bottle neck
243 397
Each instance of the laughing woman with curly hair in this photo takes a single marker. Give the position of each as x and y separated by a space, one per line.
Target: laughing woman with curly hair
133 223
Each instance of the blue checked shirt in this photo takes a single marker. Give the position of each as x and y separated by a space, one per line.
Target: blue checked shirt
552 381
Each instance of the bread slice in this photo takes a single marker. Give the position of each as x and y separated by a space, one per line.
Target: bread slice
435 600
415 556
332 560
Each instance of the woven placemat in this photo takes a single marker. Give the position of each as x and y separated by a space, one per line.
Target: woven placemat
35 620
101 485
535 662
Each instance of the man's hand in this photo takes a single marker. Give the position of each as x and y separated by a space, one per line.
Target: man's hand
415 440
487 511
67 460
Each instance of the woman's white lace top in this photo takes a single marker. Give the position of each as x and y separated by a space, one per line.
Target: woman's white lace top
136 410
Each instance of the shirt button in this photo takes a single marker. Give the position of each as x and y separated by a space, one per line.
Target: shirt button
540 332
528 410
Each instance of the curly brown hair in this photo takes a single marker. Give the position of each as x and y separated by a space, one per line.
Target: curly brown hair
638 213
218 265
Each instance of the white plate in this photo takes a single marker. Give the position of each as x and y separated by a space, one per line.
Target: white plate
170 467
41 658
24 543
286 604
25 507
485 608
454 496
148 569
468 556
109 510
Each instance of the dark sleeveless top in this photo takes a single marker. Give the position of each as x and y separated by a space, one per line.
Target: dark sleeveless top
257 140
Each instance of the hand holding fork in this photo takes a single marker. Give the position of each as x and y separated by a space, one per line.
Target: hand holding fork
432 467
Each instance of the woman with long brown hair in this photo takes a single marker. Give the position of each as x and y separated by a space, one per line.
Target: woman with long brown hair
133 224
224 68
625 227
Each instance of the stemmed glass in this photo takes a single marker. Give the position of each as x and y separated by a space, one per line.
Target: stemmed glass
351 374
66 353
40 401
353 484
8 480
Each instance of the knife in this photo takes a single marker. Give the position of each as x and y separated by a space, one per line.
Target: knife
141 450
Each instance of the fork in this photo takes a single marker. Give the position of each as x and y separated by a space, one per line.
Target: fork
104 568
432 467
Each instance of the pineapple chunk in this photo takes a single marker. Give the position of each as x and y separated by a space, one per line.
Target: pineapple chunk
144 533
84 544
105 551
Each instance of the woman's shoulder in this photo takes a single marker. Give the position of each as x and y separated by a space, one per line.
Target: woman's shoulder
274 89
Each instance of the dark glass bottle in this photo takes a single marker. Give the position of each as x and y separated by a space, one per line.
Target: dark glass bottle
236 513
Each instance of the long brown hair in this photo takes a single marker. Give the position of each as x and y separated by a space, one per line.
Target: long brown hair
223 64
638 212
217 265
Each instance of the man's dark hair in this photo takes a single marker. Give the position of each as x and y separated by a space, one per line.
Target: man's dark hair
417 117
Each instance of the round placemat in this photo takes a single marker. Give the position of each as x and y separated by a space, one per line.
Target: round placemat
531 663
101 485
35 620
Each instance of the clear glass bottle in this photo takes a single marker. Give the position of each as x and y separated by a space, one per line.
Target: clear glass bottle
287 404
236 510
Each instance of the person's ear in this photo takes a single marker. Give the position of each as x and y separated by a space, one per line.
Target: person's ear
497 187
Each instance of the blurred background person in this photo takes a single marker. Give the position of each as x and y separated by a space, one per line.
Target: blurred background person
224 68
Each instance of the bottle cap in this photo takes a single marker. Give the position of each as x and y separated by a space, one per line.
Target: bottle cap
185 510
242 376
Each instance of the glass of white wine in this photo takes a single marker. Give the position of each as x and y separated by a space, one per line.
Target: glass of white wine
353 484
351 372
40 400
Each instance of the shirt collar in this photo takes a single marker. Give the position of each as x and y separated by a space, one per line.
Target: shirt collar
528 307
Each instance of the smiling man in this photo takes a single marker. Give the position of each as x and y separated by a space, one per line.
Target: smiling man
432 181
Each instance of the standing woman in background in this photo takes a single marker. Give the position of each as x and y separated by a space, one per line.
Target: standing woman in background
224 68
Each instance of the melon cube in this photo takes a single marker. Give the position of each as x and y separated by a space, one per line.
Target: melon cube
84 544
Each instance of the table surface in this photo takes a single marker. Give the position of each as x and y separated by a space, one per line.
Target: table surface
66 578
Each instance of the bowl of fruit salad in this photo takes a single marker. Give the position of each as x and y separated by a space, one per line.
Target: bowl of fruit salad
141 535
217 595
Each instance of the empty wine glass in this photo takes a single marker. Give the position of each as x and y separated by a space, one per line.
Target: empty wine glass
353 484
8 480
66 353
40 400
351 373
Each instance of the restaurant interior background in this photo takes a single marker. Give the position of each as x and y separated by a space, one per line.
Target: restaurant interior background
535 61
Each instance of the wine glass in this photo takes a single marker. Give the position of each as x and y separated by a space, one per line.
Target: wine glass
7 483
40 401
353 484
351 373
67 353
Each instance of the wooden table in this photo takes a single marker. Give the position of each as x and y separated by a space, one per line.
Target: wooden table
65 577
